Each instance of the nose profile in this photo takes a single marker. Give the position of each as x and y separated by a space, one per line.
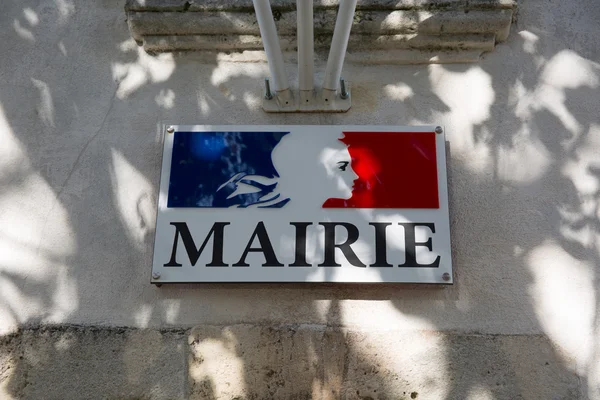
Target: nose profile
354 174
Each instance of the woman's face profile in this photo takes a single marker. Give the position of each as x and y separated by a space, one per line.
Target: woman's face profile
338 164
313 170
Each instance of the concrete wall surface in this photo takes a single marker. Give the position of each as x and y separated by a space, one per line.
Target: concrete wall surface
81 111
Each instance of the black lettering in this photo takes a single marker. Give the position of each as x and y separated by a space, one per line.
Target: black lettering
410 245
300 260
265 247
380 244
330 245
182 230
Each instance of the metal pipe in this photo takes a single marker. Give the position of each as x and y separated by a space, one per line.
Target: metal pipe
339 43
306 43
268 33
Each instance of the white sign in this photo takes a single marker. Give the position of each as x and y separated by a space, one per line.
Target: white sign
303 204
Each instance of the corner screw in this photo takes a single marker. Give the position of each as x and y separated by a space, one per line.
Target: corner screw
268 94
438 129
170 129
446 276
343 91
155 275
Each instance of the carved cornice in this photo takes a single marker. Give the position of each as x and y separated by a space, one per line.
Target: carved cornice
384 31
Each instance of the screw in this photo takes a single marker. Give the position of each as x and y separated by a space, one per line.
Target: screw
268 94
446 276
438 129
343 91
170 129
155 275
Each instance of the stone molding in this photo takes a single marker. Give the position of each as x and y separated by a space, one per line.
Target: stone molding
384 31
248 361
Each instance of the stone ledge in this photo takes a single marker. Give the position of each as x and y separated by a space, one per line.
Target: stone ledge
75 362
290 5
366 23
379 57
246 361
288 43
449 26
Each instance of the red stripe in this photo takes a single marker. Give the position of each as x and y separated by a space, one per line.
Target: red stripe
395 169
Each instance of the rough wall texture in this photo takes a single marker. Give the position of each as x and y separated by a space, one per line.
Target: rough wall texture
81 106
94 363
416 31
284 362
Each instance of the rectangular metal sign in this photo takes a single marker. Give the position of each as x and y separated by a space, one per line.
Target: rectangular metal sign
303 204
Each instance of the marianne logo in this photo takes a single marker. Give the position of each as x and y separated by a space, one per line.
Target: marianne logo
302 204
334 169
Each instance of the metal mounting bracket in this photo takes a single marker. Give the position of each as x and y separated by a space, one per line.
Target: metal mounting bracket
331 97
317 100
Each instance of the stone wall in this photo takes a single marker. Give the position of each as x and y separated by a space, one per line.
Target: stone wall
283 362
400 32
82 107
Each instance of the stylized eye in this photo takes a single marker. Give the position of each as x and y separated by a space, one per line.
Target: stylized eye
342 165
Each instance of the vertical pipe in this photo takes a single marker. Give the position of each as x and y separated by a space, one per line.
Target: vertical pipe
268 33
306 44
339 43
